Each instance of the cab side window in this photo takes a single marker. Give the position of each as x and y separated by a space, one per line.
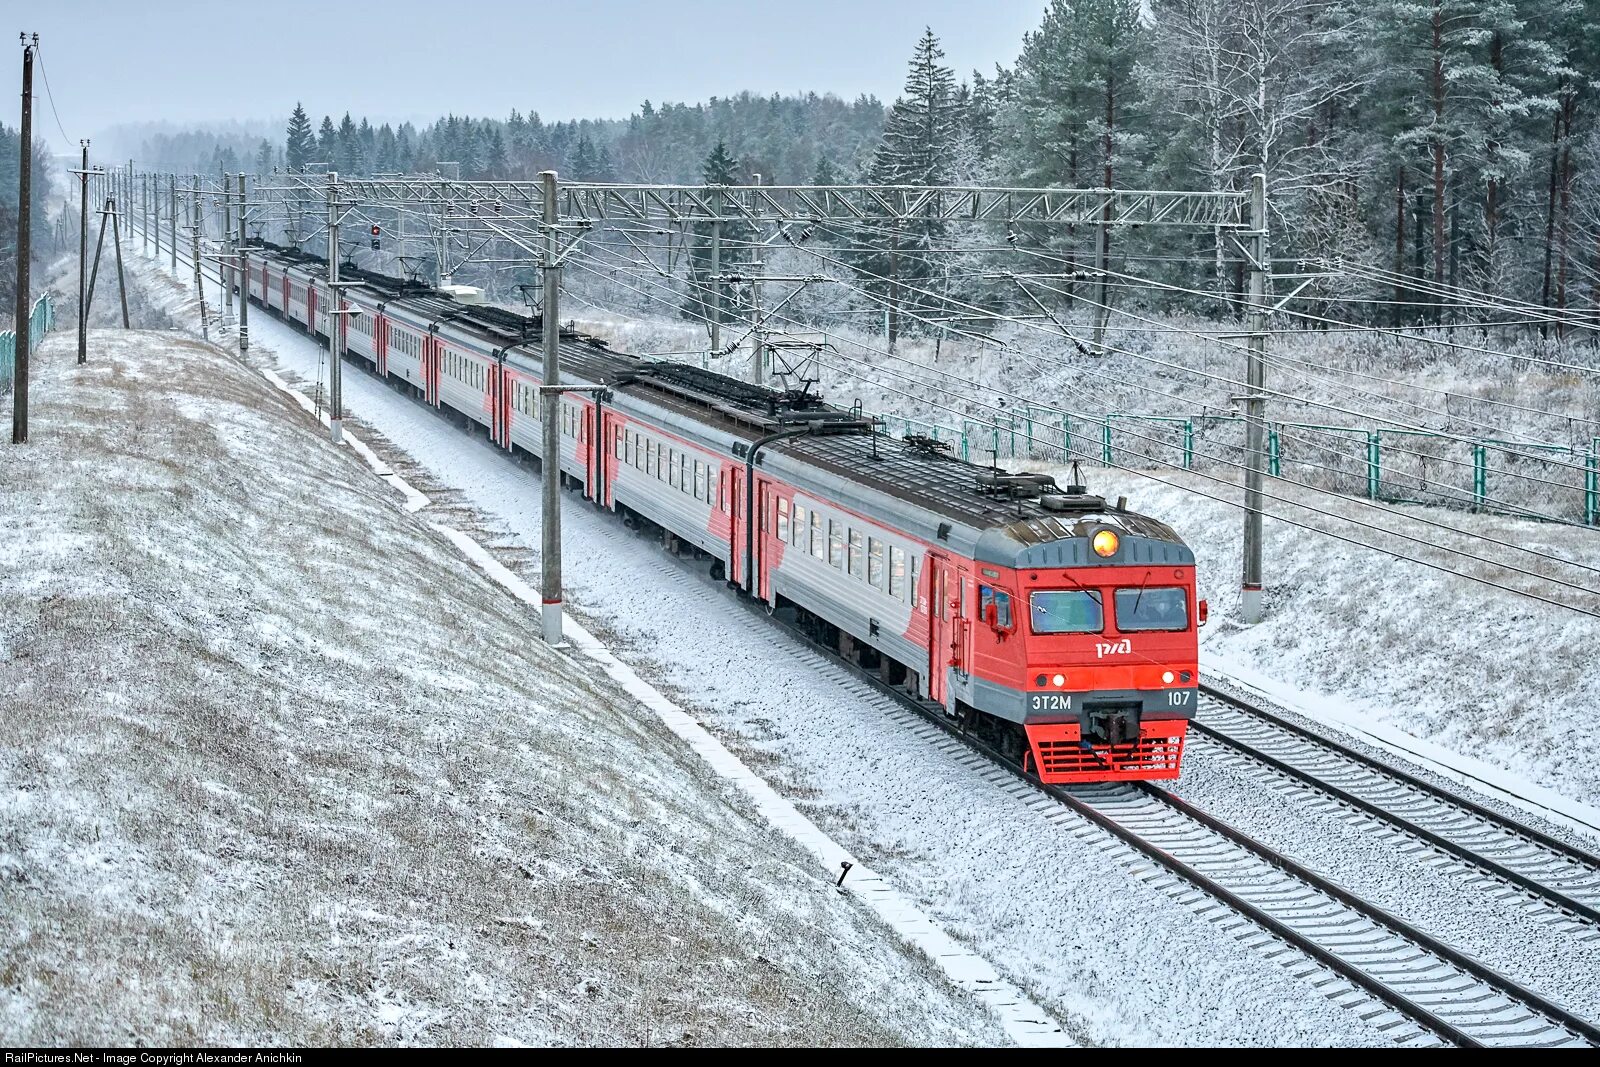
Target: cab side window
1000 601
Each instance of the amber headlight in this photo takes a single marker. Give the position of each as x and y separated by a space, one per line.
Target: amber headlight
1105 543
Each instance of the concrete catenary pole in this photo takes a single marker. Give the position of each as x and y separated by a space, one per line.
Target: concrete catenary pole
716 272
244 277
144 212
335 357
1255 401
194 250
116 245
19 409
83 254
550 412
225 263
758 335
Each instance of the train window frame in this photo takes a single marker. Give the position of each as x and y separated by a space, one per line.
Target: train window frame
799 525
836 544
1145 591
1096 595
819 536
916 572
782 510
897 572
673 458
855 554
875 562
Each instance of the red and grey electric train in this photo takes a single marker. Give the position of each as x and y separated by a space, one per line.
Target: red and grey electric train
1059 627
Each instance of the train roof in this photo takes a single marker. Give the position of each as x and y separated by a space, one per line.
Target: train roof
1022 519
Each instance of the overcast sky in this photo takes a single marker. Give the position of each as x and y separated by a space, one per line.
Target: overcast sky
123 61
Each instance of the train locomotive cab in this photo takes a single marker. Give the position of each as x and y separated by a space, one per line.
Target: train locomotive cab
1088 640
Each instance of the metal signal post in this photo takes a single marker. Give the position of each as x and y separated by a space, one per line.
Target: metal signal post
19 410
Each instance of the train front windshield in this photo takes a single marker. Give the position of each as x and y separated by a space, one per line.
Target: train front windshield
1066 611
1163 608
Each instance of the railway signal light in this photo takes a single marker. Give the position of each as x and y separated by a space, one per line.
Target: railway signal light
376 233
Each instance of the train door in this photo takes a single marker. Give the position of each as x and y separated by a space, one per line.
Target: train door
733 496
380 342
944 626
430 368
766 507
491 397
285 304
590 447
311 307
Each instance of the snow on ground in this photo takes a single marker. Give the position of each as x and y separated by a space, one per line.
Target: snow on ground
1118 961
278 766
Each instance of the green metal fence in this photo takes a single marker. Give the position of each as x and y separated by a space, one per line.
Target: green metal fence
1527 479
40 320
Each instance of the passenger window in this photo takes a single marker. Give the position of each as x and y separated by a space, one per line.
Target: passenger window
699 480
819 547
673 457
855 554
799 529
783 519
875 562
835 544
897 572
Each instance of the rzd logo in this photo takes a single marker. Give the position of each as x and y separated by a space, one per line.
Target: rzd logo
1112 648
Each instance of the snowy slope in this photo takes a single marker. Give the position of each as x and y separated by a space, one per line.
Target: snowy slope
278 766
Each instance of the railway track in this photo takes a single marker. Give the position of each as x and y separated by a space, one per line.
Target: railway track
1410 986
1560 879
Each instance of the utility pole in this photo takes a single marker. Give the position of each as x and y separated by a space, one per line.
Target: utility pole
83 255
244 275
1255 401
19 410
550 398
155 212
335 357
172 222
144 212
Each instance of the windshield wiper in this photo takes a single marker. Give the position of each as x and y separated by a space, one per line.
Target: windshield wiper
1142 584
